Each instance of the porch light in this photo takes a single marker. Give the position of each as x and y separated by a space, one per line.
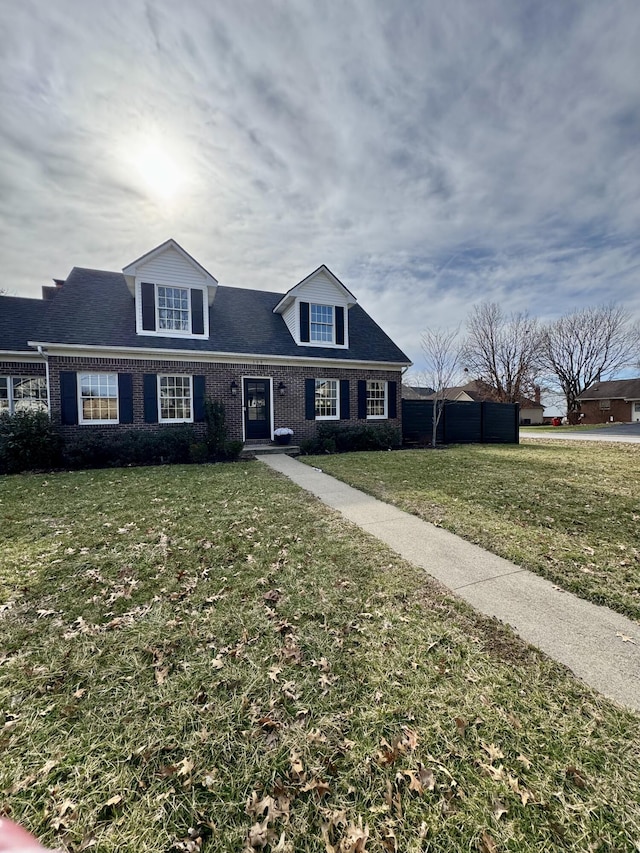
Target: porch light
233 388
281 389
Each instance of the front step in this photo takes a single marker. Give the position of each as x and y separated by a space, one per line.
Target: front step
249 451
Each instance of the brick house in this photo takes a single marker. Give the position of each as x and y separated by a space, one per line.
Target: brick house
143 348
615 400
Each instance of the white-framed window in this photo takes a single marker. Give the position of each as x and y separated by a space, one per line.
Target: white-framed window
23 394
636 407
605 404
172 305
327 399
175 399
377 404
98 398
321 329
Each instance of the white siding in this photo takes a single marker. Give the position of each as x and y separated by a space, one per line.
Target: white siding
290 317
320 289
172 269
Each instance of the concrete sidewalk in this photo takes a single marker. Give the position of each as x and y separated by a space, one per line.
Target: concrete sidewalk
598 645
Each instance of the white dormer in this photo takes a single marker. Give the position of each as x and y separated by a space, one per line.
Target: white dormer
316 310
172 292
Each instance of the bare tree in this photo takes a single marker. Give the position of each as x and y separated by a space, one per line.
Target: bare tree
502 351
583 346
441 352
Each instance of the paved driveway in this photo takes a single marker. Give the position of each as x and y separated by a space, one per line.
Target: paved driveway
628 433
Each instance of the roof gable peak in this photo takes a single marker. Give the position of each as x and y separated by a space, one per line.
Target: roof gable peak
168 245
307 282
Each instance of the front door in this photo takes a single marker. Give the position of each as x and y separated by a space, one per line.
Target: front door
257 409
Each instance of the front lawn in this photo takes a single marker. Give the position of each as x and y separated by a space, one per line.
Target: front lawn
568 511
205 658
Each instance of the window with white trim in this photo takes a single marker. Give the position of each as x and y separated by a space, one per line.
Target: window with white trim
175 399
327 399
321 330
173 309
376 399
98 398
23 394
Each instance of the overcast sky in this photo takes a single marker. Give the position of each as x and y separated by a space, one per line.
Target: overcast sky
432 154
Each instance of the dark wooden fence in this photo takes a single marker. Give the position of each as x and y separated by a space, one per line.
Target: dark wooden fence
461 423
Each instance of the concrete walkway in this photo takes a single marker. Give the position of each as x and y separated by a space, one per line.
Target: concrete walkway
598 645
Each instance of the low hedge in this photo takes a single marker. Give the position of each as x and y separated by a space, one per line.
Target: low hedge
334 438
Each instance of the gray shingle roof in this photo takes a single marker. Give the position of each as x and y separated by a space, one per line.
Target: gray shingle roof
614 389
96 308
18 318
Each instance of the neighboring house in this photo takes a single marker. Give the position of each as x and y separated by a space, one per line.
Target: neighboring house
143 348
615 400
477 391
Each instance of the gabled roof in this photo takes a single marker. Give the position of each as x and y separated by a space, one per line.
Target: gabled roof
291 294
18 318
96 308
477 390
614 389
415 392
130 269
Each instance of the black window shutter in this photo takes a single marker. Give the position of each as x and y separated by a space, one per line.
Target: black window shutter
197 313
125 397
150 393
304 322
148 294
339 325
392 390
344 400
310 399
198 399
362 398
68 397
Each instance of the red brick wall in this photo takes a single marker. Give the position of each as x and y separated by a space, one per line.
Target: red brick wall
22 368
593 414
289 410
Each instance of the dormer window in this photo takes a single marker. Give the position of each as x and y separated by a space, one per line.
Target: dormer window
173 308
172 311
321 323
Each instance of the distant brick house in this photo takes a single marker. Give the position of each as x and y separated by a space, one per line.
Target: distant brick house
142 349
615 400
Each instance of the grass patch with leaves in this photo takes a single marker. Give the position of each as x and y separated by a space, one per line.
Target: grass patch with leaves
205 658
570 512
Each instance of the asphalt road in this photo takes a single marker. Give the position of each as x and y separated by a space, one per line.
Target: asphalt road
626 433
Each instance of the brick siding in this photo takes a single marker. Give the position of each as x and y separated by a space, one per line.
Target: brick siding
289 410
593 414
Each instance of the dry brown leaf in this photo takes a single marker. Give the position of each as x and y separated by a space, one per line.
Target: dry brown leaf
297 767
461 725
356 838
499 809
274 672
487 844
185 767
496 773
494 752
217 662
524 760
161 674
577 777
113 801
258 835
321 788
389 840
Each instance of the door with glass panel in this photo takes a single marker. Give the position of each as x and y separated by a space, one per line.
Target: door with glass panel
257 409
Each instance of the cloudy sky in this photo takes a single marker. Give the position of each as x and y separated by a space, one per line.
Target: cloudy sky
431 154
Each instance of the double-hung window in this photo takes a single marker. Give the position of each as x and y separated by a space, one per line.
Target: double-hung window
377 406
327 399
321 328
175 399
605 405
23 394
173 309
98 398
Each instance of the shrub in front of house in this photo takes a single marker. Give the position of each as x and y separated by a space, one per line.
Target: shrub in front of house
334 438
28 442
109 449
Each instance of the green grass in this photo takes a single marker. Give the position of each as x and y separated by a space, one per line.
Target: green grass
570 512
565 427
205 658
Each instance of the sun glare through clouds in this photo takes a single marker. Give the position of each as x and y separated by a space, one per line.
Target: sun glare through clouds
157 168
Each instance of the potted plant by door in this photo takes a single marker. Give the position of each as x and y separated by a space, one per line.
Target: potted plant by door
282 435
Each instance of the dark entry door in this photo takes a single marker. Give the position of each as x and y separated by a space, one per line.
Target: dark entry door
257 409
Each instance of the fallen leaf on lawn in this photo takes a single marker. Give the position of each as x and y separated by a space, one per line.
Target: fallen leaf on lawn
496 773
487 844
79 693
113 801
461 725
272 595
161 674
283 846
356 839
297 767
316 736
321 788
524 760
217 662
421 779
576 776
494 752
258 835
499 809
185 767
274 672
389 840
